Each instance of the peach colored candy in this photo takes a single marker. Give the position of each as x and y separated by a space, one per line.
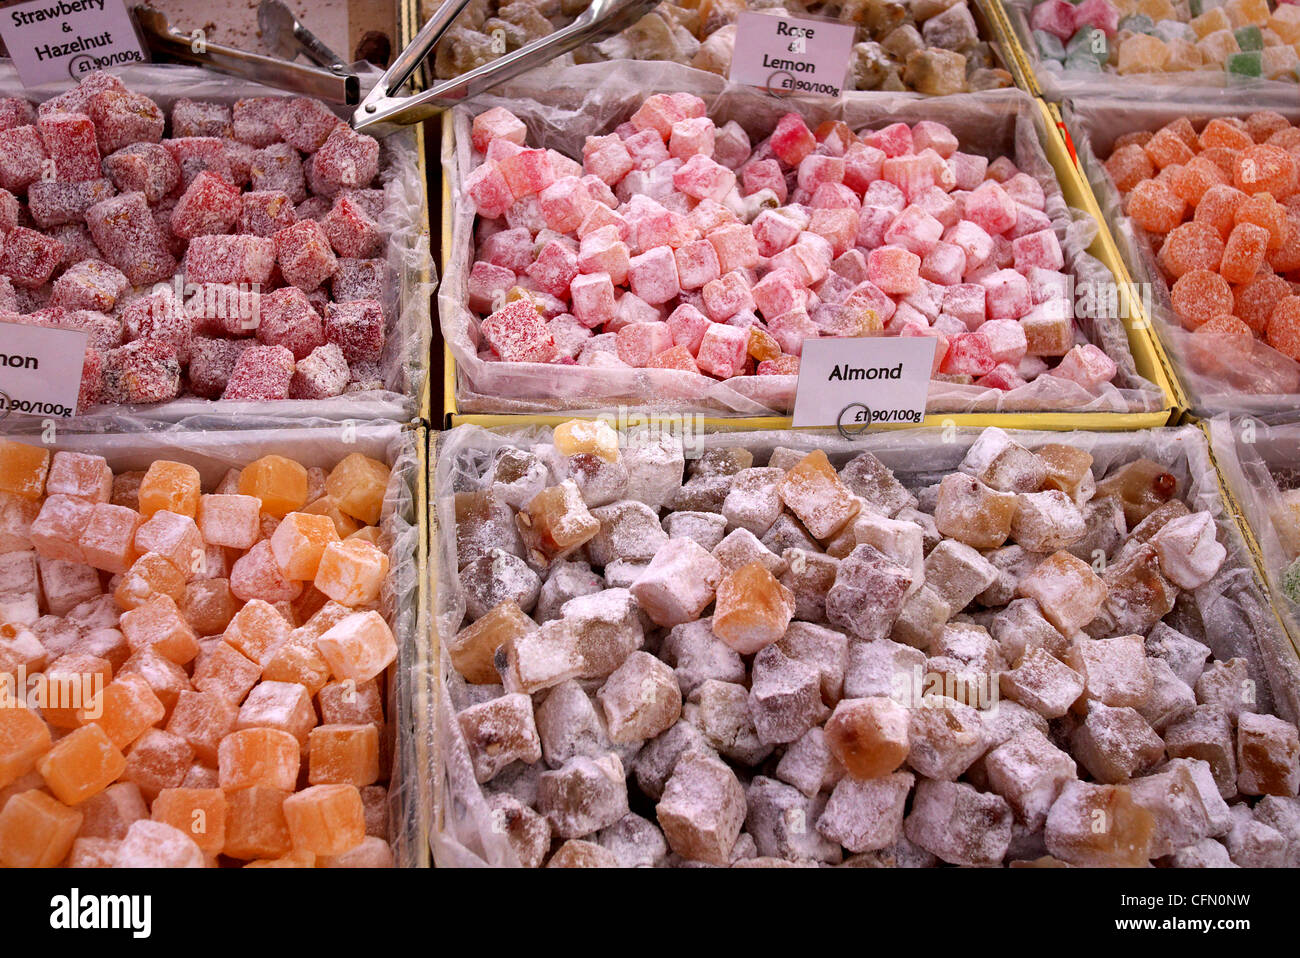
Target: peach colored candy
280 484
1191 246
343 755
124 709
170 486
1243 254
80 764
359 647
81 475
158 624
258 756
298 543
231 521
255 823
23 468
1200 295
108 540
72 680
1267 213
1218 208
1154 206
36 831
149 576
257 630
198 812
326 819
173 536
24 738
1284 327
1256 300
351 572
357 485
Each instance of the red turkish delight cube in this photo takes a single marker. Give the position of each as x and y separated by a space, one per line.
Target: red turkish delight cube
304 255
261 373
238 259
518 333
29 258
200 118
90 284
125 230
254 120
209 205
144 371
305 124
22 158
486 185
357 328
122 118
265 212
211 363
351 230
56 203
148 168
554 269
791 140
15 111
286 318
69 140
195 154
278 167
347 161
358 279
893 140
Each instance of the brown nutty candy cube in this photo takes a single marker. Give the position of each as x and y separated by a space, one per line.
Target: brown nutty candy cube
1184 803
960 825
1114 671
1268 750
1229 685
1069 469
1205 733
499 732
1001 463
1114 744
1042 683
973 513
473 648
1069 593
785 699
812 490
1099 826
584 795
702 809
640 698
555 523
809 576
484 523
1137 594
1029 772
528 833
869 737
944 738
577 853
1141 486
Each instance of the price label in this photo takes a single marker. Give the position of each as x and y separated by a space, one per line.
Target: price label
858 383
40 369
53 40
789 55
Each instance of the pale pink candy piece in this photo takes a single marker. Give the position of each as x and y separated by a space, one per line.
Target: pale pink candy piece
764 175
779 292
834 196
915 230
1039 250
773 231
702 178
1007 294
928 134
1086 365
554 269
606 157
1024 189
1006 340
893 140
973 241
966 302
893 269
497 123
641 342
512 248
697 264
653 275
968 169
944 264
731 145
565 204
839 227
726 296
723 351
886 194
736 247
791 329
602 251
969 354
488 285
687 324
691 137
593 298
991 208
1028 220
816 169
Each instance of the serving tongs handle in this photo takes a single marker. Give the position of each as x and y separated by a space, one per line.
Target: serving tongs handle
382 113
169 44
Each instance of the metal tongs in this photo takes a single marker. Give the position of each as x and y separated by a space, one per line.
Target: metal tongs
382 112
333 80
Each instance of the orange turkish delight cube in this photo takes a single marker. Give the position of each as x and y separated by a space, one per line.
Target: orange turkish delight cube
326 819
125 709
230 521
259 756
93 853
343 755
203 719
224 671
278 705
176 538
555 522
209 605
299 660
812 490
299 542
593 437
158 760
198 812
351 703
71 682
344 524
108 540
351 572
473 648
255 825
158 624
149 576
80 474
359 647
165 677
24 737
753 609
357 485
281 484
36 831
108 814
83 762
57 528
171 487
257 630
23 469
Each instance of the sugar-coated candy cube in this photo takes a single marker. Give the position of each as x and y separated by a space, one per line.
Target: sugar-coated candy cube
702 810
893 269
960 825
868 736
303 254
22 158
36 830
246 260
80 764
1267 749
357 328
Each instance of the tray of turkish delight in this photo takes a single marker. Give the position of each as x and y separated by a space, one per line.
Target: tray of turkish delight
931 47
609 246
218 241
1204 204
785 648
204 642
1239 50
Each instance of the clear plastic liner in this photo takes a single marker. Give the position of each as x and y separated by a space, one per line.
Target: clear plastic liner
1263 382
200 442
1211 86
1230 613
404 365
568 106
1254 458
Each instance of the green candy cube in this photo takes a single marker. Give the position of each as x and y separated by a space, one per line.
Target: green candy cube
1138 23
1049 45
1082 62
1249 38
1088 42
1249 64
1199 7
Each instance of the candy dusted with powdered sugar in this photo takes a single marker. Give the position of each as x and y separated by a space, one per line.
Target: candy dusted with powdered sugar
702 809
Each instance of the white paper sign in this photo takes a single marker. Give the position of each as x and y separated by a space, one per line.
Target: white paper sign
40 369
792 55
856 383
52 40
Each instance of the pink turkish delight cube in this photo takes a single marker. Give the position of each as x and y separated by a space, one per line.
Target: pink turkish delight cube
517 333
607 157
528 172
991 208
893 140
973 241
303 254
497 123
723 350
602 251
122 118
692 136
653 275
1101 14
687 325
726 296
1086 365
1056 17
261 373
639 343
935 136
488 285
1041 250
347 161
697 264
593 299
702 178
736 247
658 113
351 230
965 301
893 269
863 165
126 232
511 248
791 140
791 329
1006 294
915 230
264 212
779 292
968 169
286 318
554 269
29 258
839 227
1006 338
969 354
209 205
486 185
944 264
764 175
565 204
774 231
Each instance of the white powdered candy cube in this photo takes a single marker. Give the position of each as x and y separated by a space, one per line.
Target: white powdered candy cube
500 732
1046 521
782 820
957 573
921 621
944 737
971 512
868 477
151 844
654 461
741 547
621 575
1042 683
483 523
576 853
706 528
1171 698
1029 772
808 764
1104 530
881 668
564 581
1205 733
696 655
1207 853
18 573
569 724
900 540
809 576
753 502
1114 671
528 833
1012 564
1114 744
824 649
1020 627
629 530
1282 814
584 795
655 762
1189 550
1268 755
720 710
702 809
785 699
868 593
959 824
1095 826
788 533
1185 803
635 841
606 628
1252 843
867 814
1185 655
539 659
999 461
498 577
678 584
1228 684
516 476
640 699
